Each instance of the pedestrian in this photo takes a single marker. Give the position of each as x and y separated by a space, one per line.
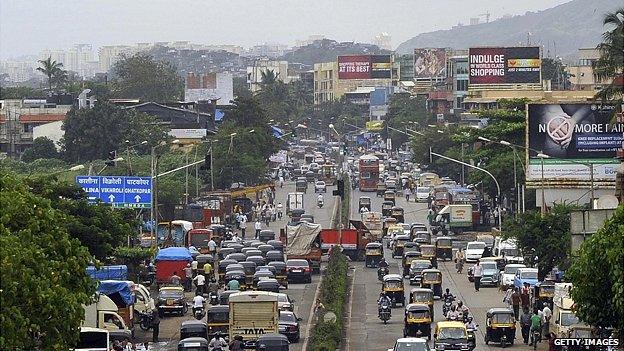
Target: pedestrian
460 258
237 238
319 308
236 344
155 326
200 283
525 324
212 248
546 316
430 216
515 302
477 273
257 227
175 279
207 270
536 322
194 265
243 224
188 277
280 208
267 216
525 298
507 297
407 192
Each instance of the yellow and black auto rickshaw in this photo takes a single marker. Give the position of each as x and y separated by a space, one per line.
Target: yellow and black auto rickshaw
389 195
544 292
386 208
399 244
432 279
444 248
417 321
408 257
218 320
424 296
373 254
429 253
392 285
398 213
381 189
500 326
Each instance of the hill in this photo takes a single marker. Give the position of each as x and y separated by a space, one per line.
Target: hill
327 50
561 30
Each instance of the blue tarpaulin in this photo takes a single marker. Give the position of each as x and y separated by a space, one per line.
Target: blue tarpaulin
119 272
174 254
277 132
119 292
219 115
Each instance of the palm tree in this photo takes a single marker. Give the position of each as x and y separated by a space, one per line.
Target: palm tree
610 65
268 77
52 69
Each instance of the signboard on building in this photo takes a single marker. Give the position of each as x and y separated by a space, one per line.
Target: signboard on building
118 191
188 133
513 65
429 63
575 136
375 126
364 67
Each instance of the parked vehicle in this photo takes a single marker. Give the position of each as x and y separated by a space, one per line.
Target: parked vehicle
93 339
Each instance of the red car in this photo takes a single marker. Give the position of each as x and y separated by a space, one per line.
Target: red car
298 270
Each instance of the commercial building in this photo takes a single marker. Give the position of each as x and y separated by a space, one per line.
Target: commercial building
260 66
458 69
581 75
325 79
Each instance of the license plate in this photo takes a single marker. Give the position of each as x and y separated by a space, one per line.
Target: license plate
169 302
282 329
297 271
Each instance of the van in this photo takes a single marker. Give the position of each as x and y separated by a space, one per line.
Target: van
508 249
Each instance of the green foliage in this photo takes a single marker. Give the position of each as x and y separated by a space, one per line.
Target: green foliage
345 211
133 257
141 77
42 147
21 93
327 336
53 70
547 237
597 276
611 61
43 278
405 112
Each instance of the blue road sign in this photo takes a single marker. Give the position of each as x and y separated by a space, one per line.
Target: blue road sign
118 191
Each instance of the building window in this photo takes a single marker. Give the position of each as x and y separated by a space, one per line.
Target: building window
462 85
28 128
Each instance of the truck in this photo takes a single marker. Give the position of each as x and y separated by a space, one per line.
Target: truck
455 218
143 301
294 201
302 241
563 317
103 313
252 314
170 260
353 241
374 225
123 295
93 339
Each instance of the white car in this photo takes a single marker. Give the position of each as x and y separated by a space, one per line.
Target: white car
284 303
422 194
474 251
507 275
320 187
410 344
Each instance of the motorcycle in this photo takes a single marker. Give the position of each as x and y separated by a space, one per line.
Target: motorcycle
535 338
381 272
472 339
213 298
198 312
319 203
384 312
145 320
448 302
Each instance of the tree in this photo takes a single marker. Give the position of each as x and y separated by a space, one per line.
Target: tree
545 237
141 77
268 77
610 65
42 147
44 282
405 111
597 276
53 70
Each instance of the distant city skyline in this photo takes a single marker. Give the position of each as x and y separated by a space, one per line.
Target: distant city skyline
29 27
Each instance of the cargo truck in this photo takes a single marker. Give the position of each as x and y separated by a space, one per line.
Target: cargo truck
252 314
563 317
294 202
302 241
455 219
103 313
353 241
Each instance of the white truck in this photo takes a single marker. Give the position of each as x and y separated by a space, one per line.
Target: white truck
455 218
252 314
93 339
294 201
563 317
104 314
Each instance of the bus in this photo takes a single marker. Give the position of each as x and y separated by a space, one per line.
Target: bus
429 179
369 172
328 173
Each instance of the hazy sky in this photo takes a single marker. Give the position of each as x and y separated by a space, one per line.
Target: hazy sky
29 26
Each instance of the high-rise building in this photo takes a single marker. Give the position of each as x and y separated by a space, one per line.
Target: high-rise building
108 55
383 40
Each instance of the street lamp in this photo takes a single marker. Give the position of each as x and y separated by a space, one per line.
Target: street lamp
542 156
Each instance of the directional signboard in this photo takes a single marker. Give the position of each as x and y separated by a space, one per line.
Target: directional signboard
118 191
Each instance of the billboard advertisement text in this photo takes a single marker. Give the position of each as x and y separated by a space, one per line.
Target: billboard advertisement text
364 66
504 65
429 63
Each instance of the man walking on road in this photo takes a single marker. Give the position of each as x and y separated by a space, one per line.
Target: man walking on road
155 326
515 302
477 273
525 324
257 227
243 224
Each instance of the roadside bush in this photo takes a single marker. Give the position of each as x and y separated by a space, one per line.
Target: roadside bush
333 295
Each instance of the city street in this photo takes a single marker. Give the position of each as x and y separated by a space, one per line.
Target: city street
303 294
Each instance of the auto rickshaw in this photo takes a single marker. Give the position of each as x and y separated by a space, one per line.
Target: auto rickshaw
222 268
389 195
193 328
365 202
223 252
254 252
424 296
236 256
444 247
224 297
398 213
218 232
392 285
266 235
408 257
218 320
259 260
275 256
193 344
263 274
280 272
399 243
236 246
417 321
386 208
500 326
388 222
544 292
421 236
411 246
277 245
272 342
236 275
301 185
429 253
432 279
381 189
374 254
264 249
249 268
450 335
416 268
202 260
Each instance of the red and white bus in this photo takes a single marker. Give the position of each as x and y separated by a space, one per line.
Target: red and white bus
369 172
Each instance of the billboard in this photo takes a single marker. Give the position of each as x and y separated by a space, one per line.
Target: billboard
576 136
513 65
429 63
364 66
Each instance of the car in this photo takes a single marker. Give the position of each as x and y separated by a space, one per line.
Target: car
525 275
474 251
422 194
491 274
171 299
285 303
320 187
507 275
410 344
289 326
300 270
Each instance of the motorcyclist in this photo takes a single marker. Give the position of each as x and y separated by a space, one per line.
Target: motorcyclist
452 314
447 294
462 309
198 302
217 343
382 263
319 199
383 299
470 324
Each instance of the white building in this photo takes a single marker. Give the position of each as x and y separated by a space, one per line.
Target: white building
254 73
209 86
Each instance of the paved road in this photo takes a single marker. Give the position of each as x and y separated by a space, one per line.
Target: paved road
367 332
303 294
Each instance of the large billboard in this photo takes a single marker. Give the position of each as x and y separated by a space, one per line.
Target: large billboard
575 136
429 63
364 66
514 65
